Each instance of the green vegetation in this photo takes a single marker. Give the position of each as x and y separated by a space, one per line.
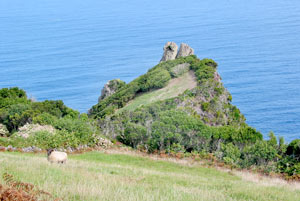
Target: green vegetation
98 176
155 78
175 87
72 129
178 106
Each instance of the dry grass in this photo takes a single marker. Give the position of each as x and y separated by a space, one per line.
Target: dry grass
108 176
243 174
175 87
13 190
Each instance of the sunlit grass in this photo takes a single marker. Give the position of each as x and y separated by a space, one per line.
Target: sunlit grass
175 87
99 176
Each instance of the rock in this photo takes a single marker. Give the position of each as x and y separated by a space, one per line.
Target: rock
3 130
27 149
70 150
170 51
29 129
217 77
185 50
110 88
10 148
36 149
102 142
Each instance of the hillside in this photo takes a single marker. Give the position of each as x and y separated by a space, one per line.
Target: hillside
179 106
99 176
175 87
184 87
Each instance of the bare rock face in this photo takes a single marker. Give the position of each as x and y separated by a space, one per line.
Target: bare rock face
170 51
110 88
185 50
217 77
3 130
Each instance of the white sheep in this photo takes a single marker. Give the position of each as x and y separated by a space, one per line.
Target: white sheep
57 156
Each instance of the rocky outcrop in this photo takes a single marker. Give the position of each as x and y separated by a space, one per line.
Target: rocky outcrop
29 129
110 88
170 51
102 142
185 50
217 77
3 130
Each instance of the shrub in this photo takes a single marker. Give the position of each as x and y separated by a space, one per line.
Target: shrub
134 135
258 154
16 113
289 166
44 119
81 130
12 96
154 80
231 153
15 116
293 149
205 106
273 140
219 90
229 98
42 139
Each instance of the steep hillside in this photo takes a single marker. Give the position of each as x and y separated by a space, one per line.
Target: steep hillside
208 99
178 105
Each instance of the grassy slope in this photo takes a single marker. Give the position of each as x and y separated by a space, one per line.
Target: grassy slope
175 87
99 176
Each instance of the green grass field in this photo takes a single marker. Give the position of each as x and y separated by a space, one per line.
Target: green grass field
175 87
100 176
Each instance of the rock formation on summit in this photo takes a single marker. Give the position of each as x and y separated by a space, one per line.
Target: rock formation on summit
170 51
110 88
185 50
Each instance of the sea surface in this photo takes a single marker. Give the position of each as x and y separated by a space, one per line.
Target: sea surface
69 49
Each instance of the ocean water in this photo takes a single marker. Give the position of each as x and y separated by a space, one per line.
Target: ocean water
69 49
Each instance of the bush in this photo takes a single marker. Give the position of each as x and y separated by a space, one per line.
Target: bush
45 119
261 153
134 135
289 166
12 96
41 139
15 116
231 153
205 106
293 149
80 129
18 113
154 80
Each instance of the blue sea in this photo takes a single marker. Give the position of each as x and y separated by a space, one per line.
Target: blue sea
69 49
